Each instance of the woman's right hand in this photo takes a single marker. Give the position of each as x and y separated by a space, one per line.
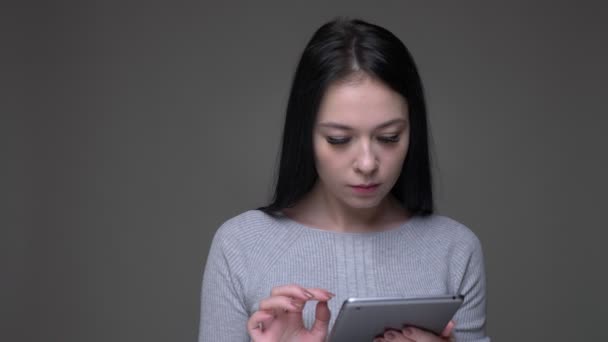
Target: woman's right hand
279 317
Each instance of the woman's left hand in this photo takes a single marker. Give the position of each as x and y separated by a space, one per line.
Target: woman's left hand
411 334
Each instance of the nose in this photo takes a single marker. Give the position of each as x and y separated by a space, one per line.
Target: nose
366 161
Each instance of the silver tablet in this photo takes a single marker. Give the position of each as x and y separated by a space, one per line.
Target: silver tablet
362 319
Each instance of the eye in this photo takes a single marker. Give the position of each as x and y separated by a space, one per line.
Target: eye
390 139
337 140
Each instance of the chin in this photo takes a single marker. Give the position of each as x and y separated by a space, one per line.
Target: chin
364 203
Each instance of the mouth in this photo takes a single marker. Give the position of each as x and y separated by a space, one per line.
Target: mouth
365 188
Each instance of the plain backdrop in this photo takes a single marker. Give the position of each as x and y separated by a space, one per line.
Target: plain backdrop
131 131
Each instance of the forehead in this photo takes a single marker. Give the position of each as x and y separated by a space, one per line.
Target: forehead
361 103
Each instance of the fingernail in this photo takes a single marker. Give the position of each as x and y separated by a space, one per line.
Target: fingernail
389 335
408 331
296 304
331 294
308 294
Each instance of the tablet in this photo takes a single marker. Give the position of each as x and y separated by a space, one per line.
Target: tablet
363 319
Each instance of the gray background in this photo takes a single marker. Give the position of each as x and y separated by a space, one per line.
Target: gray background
131 131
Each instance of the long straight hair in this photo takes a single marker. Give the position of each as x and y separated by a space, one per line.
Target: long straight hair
337 50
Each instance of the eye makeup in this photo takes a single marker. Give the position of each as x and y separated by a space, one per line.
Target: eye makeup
391 139
388 139
337 140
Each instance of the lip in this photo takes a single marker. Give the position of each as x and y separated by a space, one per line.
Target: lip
370 185
365 189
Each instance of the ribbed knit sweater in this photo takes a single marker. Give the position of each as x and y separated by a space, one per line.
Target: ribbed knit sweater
254 252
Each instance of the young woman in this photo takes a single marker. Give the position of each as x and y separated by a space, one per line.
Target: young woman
352 214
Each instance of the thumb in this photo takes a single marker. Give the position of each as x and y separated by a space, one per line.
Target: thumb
322 316
447 331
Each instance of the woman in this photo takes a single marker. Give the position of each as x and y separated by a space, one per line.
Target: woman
352 214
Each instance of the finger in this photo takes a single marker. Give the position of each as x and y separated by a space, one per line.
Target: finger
258 323
320 294
281 304
448 329
321 324
294 290
396 336
420 335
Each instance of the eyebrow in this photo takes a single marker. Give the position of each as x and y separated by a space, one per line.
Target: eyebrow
348 128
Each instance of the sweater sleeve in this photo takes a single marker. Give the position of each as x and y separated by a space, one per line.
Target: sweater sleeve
223 315
471 317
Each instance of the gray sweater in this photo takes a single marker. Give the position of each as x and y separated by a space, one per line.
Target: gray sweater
253 252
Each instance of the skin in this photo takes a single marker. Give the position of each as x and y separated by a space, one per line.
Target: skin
361 136
280 315
363 113
410 334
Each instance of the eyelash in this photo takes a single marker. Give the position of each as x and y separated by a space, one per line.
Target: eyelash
384 139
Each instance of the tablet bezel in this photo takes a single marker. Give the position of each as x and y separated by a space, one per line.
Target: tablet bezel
362 319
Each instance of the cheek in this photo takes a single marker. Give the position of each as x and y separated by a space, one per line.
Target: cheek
325 158
394 159
321 156
329 163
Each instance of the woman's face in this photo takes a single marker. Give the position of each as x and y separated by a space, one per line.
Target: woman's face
360 141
